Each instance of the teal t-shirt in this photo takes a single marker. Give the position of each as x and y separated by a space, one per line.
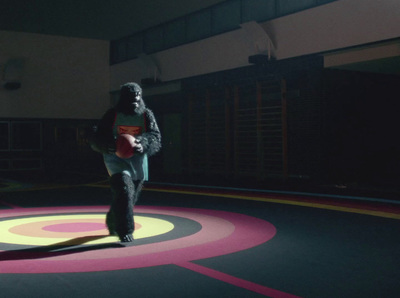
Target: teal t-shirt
137 165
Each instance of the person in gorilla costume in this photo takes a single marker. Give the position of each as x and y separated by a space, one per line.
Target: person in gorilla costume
129 115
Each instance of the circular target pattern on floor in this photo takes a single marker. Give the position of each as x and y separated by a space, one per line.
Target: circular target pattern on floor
54 229
75 239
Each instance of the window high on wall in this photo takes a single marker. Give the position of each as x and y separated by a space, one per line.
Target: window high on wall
217 19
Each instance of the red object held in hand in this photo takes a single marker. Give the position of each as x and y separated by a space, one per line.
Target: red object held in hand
125 146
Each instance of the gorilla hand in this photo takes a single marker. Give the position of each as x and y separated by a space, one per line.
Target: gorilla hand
138 146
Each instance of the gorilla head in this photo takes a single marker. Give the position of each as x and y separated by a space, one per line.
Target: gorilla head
130 100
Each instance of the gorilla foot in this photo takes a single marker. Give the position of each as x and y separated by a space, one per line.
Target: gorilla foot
126 238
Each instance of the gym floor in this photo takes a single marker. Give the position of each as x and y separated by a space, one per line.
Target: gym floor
193 241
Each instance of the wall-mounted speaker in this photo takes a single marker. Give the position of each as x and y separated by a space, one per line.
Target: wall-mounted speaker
12 73
12 85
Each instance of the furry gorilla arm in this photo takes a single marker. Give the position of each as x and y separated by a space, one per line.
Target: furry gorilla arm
151 138
103 140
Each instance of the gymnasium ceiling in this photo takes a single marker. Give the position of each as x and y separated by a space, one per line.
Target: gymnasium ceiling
108 20
94 19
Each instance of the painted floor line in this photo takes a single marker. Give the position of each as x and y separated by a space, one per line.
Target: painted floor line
290 202
285 192
12 206
238 282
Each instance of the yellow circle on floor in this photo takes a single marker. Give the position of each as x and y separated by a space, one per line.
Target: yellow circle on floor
37 231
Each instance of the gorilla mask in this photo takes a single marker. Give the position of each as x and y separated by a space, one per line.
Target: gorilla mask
130 100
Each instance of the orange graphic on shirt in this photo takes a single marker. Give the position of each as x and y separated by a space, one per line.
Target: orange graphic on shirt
131 130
